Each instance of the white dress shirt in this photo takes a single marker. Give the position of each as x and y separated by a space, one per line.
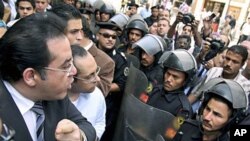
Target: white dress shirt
93 107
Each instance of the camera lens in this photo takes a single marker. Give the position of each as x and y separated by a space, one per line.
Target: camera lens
216 44
187 18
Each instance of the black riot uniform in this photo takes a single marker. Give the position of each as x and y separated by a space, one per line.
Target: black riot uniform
152 45
138 23
124 47
113 100
154 75
121 68
175 101
191 130
226 91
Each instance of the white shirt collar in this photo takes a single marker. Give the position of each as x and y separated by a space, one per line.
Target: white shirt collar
89 45
22 102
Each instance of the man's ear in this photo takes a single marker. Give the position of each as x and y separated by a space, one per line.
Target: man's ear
29 75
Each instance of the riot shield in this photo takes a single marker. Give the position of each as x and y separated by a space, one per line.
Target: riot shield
138 121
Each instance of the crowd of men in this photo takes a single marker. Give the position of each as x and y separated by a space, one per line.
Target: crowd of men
65 71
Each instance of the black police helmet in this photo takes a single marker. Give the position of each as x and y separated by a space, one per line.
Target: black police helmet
231 92
181 60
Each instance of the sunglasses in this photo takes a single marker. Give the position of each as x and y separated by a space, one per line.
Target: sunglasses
106 35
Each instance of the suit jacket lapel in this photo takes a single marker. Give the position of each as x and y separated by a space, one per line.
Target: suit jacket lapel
12 116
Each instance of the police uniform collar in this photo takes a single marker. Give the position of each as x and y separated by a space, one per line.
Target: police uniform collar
178 91
171 95
144 68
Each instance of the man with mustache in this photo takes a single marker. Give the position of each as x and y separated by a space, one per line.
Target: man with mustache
179 67
149 57
33 95
235 58
136 29
84 93
224 105
106 37
79 33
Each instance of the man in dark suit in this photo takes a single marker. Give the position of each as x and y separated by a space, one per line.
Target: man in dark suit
36 66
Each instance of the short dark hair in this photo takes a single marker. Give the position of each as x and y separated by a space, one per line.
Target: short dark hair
32 2
185 37
78 51
187 25
25 45
239 49
155 7
189 2
66 11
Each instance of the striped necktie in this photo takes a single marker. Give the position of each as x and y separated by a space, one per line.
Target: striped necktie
38 109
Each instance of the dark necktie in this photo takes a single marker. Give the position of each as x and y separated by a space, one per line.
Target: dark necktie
38 109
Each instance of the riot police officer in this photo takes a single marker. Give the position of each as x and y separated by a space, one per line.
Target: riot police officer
179 67
224 105
121 20
103 12
151 48
135 30
107 11
106 38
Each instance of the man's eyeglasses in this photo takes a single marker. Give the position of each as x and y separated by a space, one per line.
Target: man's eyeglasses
91 78
106 35
67 71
